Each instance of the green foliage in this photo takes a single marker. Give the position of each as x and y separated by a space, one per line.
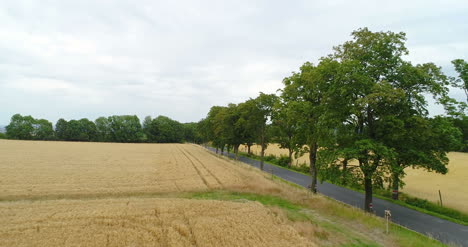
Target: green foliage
462 68
283 160
76 130
270 158
3 136
125 128
462 124
28 128
103 129
166 130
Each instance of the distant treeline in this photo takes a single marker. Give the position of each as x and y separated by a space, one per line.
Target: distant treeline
125 128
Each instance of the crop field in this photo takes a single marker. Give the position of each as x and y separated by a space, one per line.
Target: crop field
274 149
453 185
140 221
110 194
419 183
32 169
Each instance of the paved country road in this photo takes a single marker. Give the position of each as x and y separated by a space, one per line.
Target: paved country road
442 230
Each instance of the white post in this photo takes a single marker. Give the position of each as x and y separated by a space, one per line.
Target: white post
387 217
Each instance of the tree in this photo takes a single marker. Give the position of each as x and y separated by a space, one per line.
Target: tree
192 133
462 124
250 120
20 128
264 104
462 68
43 130
308 89
212 129
88 130
103 129
419 142
166 130
231 125
125 128
285 128
378 91
28 128
147 129
61 129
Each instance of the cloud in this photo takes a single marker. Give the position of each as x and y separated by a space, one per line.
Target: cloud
98 58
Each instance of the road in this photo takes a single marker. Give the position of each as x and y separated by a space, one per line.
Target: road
445 231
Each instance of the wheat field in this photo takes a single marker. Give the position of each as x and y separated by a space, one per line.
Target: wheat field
144 221
108 194
419 182
32 169
453 185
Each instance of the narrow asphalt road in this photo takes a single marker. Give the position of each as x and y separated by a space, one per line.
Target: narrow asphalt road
445 231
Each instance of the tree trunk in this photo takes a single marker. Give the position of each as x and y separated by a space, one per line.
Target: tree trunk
236 151
344 171
368 207
248 148
290 157
395 185
313 166
216 150
262 153
262 156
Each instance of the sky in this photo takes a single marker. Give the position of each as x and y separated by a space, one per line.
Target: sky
86 59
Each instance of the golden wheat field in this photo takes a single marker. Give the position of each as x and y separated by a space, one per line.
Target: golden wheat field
89 194
143 221
31 169
110 194
453 185
419 183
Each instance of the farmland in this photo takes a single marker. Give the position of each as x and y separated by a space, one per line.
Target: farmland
108 194
419 182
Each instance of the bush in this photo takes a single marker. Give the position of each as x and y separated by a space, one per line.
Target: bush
270 158
283 160
2 136
302 168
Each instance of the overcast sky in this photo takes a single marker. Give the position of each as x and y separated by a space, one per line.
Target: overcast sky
76 59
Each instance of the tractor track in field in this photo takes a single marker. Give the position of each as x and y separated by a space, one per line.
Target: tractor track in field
195 167
208 170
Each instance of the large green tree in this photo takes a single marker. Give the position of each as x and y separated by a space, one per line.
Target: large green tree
20 127
125 128
264 104
166 130
308 89
103 129
29 128
377 91
285 128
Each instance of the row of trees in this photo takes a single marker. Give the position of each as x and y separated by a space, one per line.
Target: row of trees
361 103
125 128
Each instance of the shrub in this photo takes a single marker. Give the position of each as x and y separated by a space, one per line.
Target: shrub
270 158
283 160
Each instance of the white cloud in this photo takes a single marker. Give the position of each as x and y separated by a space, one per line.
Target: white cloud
97 58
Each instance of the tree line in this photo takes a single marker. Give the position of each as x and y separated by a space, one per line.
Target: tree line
360 113
124 128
